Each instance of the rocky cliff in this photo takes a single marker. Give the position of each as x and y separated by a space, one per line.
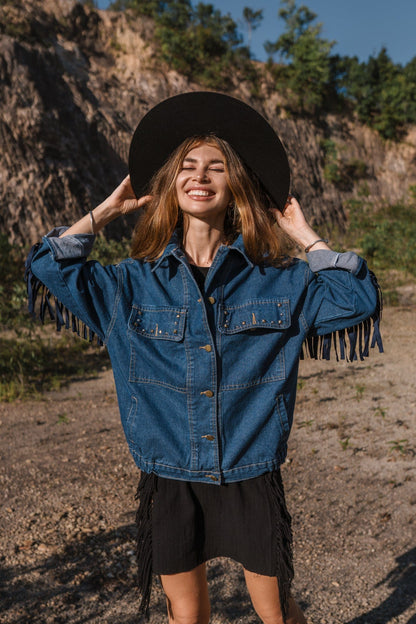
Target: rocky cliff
75 82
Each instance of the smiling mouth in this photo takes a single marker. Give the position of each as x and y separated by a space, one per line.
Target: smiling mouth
199 193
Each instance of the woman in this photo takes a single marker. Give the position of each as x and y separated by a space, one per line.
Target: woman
204 326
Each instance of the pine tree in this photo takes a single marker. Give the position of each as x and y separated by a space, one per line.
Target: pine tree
307 77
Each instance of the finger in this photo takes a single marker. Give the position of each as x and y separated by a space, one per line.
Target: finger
144 200
131 205
127 185
276 213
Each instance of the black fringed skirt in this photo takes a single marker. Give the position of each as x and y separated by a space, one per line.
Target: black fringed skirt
182 524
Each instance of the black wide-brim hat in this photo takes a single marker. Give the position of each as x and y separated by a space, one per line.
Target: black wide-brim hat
198 113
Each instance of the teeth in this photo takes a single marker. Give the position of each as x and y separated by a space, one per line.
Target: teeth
200 193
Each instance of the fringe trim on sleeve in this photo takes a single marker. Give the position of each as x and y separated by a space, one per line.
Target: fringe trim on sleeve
351 343
145 490
37 292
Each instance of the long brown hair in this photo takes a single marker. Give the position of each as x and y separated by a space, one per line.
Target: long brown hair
250 215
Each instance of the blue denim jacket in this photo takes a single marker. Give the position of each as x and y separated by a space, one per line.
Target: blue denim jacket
206 382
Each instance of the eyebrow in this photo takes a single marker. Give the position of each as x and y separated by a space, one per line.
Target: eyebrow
211 162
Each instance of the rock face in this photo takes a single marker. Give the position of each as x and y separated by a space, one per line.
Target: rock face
74 83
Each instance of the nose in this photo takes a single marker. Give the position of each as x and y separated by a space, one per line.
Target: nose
200 175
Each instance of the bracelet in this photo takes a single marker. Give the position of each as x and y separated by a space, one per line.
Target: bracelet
92 222
319 240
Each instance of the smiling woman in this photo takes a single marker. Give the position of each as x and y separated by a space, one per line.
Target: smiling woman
201 185
248 208
205 324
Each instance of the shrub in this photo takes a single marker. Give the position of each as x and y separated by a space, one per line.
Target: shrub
386 237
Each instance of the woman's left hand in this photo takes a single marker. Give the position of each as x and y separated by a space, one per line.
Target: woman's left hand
292 221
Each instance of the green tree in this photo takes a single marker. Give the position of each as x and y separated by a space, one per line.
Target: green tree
198 41
382 92
252 20
308 77
149 8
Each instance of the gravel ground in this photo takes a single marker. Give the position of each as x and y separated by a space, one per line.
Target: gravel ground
68 483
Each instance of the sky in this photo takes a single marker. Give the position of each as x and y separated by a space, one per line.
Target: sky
360 27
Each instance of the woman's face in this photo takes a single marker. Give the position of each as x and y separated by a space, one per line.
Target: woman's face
201 184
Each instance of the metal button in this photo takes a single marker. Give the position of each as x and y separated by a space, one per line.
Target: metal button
211 299
279 322
207 348
199 300
208 437
279 305
208 393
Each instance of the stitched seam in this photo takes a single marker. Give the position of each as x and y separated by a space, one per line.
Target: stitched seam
149 381
255 382
120 280
275 460
251 302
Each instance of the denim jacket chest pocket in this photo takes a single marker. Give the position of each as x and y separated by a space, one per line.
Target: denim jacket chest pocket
157 346
252 336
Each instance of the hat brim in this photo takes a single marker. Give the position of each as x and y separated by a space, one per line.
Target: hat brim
197 113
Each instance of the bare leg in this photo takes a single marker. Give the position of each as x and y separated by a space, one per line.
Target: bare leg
264 594
187 596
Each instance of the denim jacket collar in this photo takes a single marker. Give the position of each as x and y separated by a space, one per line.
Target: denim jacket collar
173 248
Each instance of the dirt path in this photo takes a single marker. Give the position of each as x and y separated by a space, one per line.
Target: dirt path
67 508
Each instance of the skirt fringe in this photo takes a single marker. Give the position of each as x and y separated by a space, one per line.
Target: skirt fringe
283 539
144 494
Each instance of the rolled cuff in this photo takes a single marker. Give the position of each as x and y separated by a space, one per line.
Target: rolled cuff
322 259
71 246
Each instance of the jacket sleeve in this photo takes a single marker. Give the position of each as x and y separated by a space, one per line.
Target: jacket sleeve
75 292
342 306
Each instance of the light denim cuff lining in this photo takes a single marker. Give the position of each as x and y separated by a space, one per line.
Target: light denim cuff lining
71 246
322 259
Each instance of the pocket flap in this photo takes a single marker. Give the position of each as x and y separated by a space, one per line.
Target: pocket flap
162 323
261 314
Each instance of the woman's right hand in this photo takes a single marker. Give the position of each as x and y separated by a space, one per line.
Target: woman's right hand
123 199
